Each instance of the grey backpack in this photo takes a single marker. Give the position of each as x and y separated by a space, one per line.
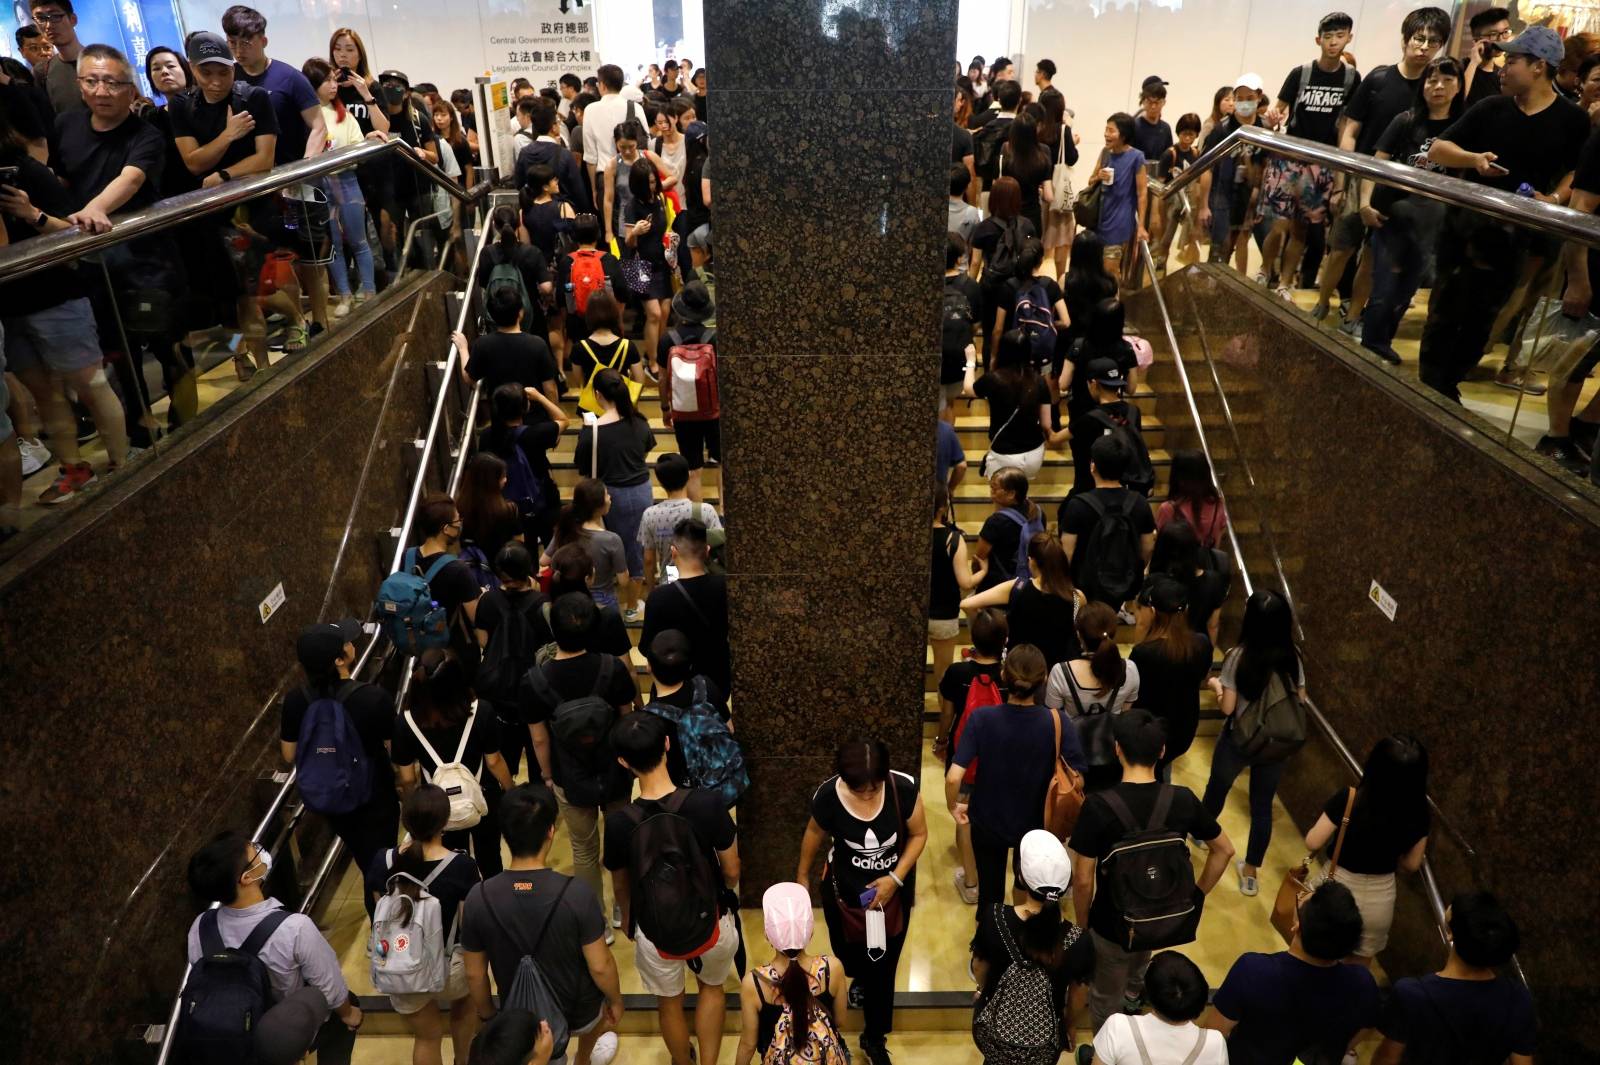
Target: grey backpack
1017 1024
410 948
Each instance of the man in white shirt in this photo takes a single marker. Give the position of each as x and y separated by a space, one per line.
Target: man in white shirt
600 120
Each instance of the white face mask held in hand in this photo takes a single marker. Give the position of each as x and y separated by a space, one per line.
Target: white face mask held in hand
877 936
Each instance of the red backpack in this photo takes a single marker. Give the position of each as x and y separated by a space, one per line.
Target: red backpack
693 369
983 691
586 275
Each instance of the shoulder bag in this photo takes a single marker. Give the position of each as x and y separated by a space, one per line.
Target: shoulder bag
1086 207
1062 197
1296 886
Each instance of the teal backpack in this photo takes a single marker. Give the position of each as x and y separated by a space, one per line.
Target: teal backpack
410 616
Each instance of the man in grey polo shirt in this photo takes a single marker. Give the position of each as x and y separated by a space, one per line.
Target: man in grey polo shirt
312 1005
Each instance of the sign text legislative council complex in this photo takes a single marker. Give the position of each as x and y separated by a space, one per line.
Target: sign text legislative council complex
546 39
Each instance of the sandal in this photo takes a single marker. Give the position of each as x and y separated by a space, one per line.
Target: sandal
295 339
243 367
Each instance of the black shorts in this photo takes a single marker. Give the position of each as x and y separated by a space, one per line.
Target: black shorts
1349 232
1580 373
1239 206
696 440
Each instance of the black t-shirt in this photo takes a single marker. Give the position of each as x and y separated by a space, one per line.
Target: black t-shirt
1170 689
1044 620
193 116
1316 106
1406 140
359 109
960 145
953 362
647 247
1077 960
535 270
1013 430
986 234
505 358
483 739
418 132
45 288
497 602
1539 149
1445 1021
371 710
1003 535
624 446
1176 159
712 827
28 107
1099 830
1382 94
698 608
864 851
522 900
958 678
573 678
590 353
1086 430
1030 174
1485 84
1016 286
1377 837
1151 138
453 586
175 176
91 159
1081 354
1077 517
451 887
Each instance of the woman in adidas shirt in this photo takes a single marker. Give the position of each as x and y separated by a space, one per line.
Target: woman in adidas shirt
424 815
875 821
440 714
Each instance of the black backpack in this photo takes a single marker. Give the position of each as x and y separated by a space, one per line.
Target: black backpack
580 731
228 990
511 652
988 141
1149 881
956 317
1002 265
1141 474
675 883
1094 726
1112 567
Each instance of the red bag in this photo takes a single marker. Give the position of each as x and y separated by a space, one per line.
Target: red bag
983 691
586 276
276 273
692 368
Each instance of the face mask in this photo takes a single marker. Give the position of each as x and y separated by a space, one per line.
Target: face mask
263 859
1244 108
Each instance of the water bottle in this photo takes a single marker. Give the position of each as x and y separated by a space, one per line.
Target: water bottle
1525 190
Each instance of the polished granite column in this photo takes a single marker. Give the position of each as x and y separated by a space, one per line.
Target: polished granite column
830 132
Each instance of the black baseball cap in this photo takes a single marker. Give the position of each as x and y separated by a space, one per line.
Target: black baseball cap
395 76
203 46
1106 373
319 646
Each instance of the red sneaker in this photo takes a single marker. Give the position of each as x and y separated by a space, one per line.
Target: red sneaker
71 481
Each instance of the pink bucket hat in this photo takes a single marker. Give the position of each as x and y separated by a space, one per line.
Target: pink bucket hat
786 916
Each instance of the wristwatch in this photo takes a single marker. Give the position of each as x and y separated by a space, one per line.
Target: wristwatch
39 222
223 174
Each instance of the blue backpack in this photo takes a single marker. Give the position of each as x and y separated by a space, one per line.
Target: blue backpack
478 561
331 766
1028 527
411 618
1033 315
712 756
523 486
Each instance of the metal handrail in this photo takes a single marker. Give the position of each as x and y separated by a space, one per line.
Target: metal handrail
1548 218
1430 883
40 253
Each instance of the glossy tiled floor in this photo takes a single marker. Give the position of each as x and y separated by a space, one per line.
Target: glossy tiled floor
935 957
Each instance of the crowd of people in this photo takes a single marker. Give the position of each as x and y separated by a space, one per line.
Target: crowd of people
517 598
1515 112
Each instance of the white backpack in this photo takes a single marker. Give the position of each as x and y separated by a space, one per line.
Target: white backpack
467 804
408 948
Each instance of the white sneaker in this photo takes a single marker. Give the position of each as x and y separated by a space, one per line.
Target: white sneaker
1247 884
1261 278
611 937
342 308
1285 293
605 1050
616 916
969 895
35 456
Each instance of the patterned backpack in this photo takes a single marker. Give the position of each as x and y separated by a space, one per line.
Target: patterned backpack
1017 1023
820 1042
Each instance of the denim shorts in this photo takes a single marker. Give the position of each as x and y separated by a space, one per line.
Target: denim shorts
60 338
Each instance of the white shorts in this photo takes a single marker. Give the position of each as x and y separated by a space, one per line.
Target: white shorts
663 977
455 989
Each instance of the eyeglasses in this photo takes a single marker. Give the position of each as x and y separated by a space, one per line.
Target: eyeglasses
106 84
1425 40
49 18
1494 35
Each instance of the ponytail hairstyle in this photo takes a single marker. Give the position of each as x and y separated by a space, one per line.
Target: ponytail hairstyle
588 500
424 814
505 222
1097 631
1169 597
609 386
795 986
1041 935
1025 671
1055 571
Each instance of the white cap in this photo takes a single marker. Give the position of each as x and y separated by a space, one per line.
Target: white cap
1250 81
1045 868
